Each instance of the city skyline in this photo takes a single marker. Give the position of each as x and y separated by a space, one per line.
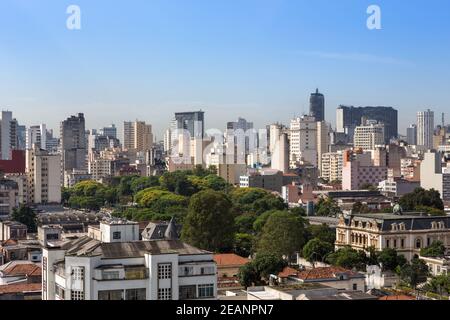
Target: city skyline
195 55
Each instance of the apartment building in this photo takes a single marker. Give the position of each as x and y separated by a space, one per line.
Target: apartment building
117 266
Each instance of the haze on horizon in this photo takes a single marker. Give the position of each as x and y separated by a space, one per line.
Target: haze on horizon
258 59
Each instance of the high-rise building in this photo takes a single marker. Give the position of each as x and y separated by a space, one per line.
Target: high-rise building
5 133
317 106
323 141
367 137
138 136
349 117
425 128
274 131
36 135
411 135
303 144
44 176
110 131
433 175
280 155
243 139
359 171
331 168
193 122
73 143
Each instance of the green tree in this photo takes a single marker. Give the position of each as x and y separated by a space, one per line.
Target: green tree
437 249
244 223
317 250
327 208
243 244
359 207
248 276
414 273
141 183
283 234
259 270
321 232
209 223
348 258
422 198
27 216
440 284
390 259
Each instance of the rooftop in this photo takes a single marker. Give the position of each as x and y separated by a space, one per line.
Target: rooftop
327 273
229 259
21 288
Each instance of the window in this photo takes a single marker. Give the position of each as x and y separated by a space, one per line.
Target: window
206 291
165 271
136 294
207 270
387 243
355 286
111 275
60 292
395 243
165 294
76 295
403 243
78 273
117 235
418 243
187 292
110 295
186 271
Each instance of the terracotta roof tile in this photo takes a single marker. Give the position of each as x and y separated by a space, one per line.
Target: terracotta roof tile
326 273
288 272
23 269
18 288
230 259
400 297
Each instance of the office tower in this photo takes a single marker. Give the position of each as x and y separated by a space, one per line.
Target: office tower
73 143
36 135
323 141
280 156
5 133
110 131
434 176
425 128
303 141
193 122
44 176
317 106
138 136
243 137
349 117
411 135
367 137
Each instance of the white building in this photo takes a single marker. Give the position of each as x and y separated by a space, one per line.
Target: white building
434 176
368 136
303 147
123 268
280 154
425 128
44 176
36 135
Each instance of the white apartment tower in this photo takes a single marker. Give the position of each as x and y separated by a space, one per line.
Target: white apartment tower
36 135
303 147
43 176
368 136
425 128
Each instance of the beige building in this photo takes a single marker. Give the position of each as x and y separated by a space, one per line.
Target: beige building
323 141
44 176
137 136
433 174
407 234
9 196
332 163
368 136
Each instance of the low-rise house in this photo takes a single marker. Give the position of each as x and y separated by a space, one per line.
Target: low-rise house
437 265
25 291
12 250
12 230
15 272
335 277
228 265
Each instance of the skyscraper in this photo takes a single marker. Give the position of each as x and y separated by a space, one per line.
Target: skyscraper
349 117
5 132
36 135
73 143
425 128
411 135
137 136
303 145
317 106
193 122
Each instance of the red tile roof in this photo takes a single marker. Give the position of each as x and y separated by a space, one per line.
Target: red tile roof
288 272
326 273
24 269
400 297
19 288
230 259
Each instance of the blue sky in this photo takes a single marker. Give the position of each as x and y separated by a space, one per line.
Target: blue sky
259 59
